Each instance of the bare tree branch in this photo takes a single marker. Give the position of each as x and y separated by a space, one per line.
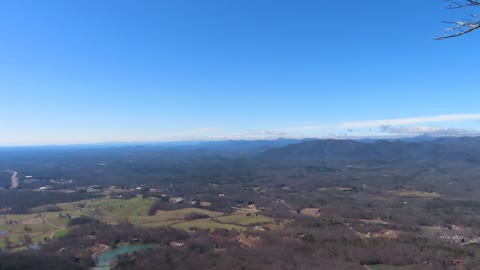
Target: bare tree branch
468 3
464 26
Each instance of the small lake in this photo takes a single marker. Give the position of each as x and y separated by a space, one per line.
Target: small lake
105 259
3 232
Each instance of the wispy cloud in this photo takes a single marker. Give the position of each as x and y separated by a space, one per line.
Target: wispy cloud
265 133
409 130
455 132
433 131
408 121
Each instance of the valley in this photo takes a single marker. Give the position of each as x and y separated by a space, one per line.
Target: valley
216 211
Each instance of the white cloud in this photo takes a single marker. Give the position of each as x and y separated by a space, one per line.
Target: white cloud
407 121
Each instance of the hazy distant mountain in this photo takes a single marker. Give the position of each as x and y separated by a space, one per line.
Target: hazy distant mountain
442 149
244 144
416 149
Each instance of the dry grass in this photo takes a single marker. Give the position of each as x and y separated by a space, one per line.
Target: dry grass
415 193
314 212
33 220
205 204
249 241
388 234
335 189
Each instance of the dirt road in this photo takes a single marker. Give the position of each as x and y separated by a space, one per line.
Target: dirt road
14 179
54 226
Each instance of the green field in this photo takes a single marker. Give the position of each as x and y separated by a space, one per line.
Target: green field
41 225
165 218
208 224
118 209
61 233
33 225
243 220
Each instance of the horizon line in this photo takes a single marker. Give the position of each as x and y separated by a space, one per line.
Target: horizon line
204 140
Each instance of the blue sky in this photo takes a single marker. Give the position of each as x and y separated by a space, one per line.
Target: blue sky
117 70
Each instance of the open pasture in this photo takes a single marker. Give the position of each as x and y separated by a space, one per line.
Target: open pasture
52 223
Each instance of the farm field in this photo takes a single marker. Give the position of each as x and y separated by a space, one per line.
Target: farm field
31 228
208 224
40 226
240 218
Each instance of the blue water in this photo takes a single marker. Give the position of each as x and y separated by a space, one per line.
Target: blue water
105 260
34 247
3 232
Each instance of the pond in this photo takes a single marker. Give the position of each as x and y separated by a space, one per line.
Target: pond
105 260
3 232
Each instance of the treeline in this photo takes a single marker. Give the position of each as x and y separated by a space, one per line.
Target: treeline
36 261
20 202
5 179
89 228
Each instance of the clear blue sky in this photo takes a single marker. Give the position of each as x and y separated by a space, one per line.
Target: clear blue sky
116 70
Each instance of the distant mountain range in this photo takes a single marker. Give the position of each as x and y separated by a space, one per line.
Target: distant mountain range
420 149
415 149
217 145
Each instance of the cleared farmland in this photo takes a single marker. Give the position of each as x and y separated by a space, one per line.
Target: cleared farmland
42 225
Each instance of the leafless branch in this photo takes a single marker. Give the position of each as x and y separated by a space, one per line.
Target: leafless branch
461 28
464 26
467 3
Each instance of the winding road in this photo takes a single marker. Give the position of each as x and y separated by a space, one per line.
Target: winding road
14 179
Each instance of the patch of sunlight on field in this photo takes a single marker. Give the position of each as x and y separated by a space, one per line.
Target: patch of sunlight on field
60 233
